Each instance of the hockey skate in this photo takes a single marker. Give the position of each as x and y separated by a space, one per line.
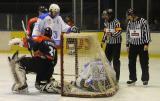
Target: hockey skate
145 83
131 82
51 87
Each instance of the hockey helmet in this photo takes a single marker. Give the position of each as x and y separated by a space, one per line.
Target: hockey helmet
54 9
68 19
42 9
107 12
48 32
131 12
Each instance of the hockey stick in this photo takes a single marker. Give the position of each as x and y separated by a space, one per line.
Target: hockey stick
64 74
57 74
24 28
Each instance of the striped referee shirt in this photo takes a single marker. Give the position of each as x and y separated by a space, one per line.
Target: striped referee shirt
138 32
114 28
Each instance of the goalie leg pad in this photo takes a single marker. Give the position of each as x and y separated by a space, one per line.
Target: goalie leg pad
12 66
20 86
19 76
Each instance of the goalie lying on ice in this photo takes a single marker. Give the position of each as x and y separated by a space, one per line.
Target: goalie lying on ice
94 76
42 63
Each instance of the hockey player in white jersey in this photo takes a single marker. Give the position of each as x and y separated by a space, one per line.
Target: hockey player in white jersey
93 76
43 12
56 23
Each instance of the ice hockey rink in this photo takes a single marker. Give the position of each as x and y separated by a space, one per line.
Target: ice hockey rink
125 93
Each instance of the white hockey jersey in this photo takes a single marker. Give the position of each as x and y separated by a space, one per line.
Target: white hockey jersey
92 71
36 31
56 24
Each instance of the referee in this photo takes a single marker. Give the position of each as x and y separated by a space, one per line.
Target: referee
137 41
112 36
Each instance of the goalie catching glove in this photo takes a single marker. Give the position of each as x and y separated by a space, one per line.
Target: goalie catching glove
20 42
16 41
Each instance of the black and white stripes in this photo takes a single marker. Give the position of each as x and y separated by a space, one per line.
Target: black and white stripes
138 32
114 28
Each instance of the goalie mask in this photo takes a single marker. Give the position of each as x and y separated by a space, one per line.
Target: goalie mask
54 9
108 14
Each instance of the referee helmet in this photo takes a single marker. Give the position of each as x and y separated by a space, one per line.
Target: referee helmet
42 9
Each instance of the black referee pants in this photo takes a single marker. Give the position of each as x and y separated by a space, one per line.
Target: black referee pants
112 52
134 51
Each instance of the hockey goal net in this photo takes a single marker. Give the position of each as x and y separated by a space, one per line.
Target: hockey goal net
83 63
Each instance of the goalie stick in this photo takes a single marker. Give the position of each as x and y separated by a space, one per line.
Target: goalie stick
24 28
64 74
26 35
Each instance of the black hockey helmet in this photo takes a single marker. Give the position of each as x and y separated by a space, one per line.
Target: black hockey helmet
107 12
68 19
42 9
48 32
131 12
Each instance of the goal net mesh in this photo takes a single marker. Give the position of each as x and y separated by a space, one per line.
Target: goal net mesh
84 64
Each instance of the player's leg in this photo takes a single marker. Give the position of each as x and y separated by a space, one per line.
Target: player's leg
29 64
44 73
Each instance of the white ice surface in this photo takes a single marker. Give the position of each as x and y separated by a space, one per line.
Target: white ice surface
125 93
